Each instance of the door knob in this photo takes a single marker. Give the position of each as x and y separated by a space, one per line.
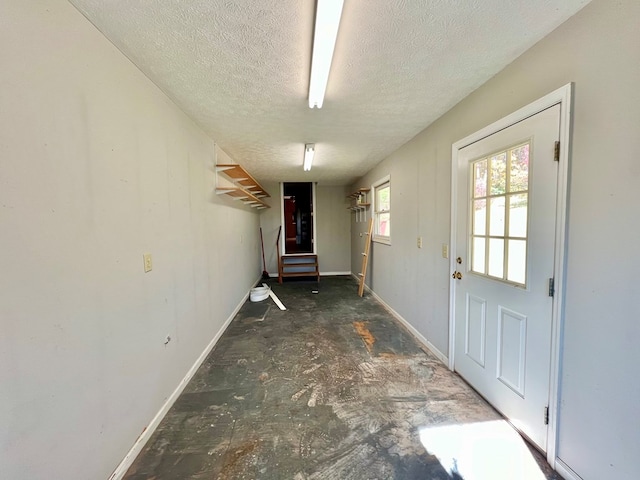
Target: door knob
457 276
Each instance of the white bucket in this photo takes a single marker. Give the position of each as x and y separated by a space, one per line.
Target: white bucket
259 293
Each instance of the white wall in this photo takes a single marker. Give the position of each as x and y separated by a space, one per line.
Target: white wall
598 50
413 281
269 222
332 222
97 166
333 229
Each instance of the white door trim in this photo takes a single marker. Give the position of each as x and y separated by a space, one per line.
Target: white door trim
314 211
282 226
562 97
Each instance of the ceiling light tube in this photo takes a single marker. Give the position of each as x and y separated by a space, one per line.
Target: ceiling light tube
328 13
309 151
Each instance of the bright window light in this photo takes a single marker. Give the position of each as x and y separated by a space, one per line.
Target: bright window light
309 151
328 13
490 450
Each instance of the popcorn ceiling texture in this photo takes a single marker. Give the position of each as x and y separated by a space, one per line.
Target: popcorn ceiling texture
240 69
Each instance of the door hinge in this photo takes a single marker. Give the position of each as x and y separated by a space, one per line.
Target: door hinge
546 415
552 287
556 151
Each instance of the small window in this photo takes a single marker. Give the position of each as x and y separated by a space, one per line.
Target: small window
382 211
500 215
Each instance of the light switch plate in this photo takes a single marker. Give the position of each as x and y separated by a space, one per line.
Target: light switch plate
419 242
148 264
445 250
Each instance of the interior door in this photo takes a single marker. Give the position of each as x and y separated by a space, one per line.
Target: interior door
505 237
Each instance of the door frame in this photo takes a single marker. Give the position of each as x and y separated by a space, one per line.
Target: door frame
563 97
314 234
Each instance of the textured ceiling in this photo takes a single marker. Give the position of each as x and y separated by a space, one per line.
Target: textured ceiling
240 69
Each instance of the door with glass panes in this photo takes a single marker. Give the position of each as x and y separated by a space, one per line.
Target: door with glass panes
505 240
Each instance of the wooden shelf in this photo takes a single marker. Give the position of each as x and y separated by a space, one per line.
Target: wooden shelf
241 177
246 188
360 202
359 206
238 193
361 192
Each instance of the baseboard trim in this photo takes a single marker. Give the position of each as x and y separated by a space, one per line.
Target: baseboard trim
421 338
139 444
322 274
565 471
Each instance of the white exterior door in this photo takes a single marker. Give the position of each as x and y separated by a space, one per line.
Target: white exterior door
505 237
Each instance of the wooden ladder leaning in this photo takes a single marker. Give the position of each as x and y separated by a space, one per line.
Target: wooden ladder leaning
365 257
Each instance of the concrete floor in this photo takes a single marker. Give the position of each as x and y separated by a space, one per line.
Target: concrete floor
332 388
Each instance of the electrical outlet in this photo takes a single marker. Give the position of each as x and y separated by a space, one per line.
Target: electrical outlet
445 250
148 264
419 242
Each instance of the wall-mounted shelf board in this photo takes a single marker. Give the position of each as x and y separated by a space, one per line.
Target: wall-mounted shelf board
242 187
359 193
241 177
238 193
360 203
359 206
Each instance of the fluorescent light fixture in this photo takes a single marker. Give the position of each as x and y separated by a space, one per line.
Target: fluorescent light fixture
309 151
328 13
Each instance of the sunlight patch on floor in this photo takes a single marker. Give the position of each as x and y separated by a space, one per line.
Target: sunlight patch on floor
481 451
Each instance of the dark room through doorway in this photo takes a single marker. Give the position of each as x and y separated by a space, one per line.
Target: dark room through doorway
298 217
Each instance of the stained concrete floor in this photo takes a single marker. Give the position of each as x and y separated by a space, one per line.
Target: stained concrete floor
332 388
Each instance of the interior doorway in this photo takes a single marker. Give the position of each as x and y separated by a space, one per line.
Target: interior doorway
298 216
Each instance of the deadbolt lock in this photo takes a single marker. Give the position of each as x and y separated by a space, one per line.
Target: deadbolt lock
459 260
